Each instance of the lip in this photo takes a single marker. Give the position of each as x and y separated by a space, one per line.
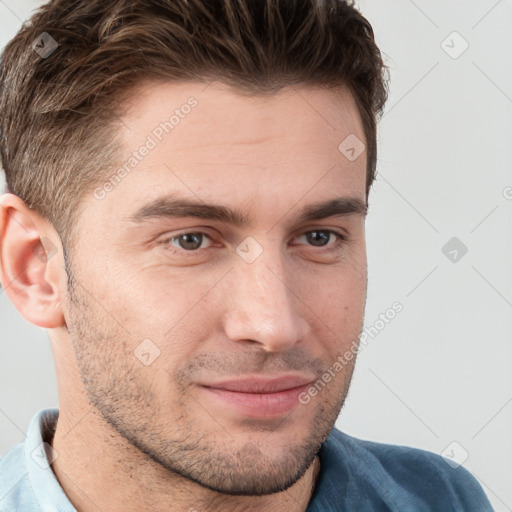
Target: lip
258 398
255 384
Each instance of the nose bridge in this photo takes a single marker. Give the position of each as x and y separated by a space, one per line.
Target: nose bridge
262 307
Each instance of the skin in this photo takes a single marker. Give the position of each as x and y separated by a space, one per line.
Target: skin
134 437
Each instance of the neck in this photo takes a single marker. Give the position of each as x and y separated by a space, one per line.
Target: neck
100 470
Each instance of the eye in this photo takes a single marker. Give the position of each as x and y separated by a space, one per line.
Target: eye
193 242
190 241
322 237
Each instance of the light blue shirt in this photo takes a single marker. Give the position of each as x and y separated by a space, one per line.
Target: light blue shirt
355 475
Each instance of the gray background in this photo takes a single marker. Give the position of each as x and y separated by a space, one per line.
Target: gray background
438 375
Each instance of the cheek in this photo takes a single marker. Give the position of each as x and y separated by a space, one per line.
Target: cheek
346 282
345 316
156 298
341 307
175 313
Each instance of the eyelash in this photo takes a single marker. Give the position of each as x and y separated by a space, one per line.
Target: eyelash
340 240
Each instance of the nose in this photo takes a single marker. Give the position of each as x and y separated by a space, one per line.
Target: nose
264 305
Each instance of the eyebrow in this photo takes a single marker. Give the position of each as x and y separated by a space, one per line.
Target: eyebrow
176 207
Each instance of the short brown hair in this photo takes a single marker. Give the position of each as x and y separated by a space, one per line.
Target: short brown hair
58 114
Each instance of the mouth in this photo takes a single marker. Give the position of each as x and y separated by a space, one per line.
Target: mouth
256 397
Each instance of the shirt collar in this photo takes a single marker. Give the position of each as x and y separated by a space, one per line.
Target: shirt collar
331 485
39 455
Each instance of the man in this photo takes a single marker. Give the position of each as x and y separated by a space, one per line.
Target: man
188 184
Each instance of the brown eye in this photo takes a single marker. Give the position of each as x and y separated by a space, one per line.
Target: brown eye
190 241
318 238
323 237
187 241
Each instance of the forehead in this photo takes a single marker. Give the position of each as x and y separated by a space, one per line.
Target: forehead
218 107
197 118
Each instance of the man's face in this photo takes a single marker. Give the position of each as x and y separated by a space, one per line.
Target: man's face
155 317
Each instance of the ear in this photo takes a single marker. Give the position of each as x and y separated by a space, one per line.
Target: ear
32 271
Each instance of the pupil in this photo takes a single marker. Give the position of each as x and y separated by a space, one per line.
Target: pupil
191 240
324 238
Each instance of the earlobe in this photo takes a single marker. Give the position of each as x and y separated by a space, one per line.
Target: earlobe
30 271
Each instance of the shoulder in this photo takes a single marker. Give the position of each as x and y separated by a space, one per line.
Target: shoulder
26 481
15 488
408 477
